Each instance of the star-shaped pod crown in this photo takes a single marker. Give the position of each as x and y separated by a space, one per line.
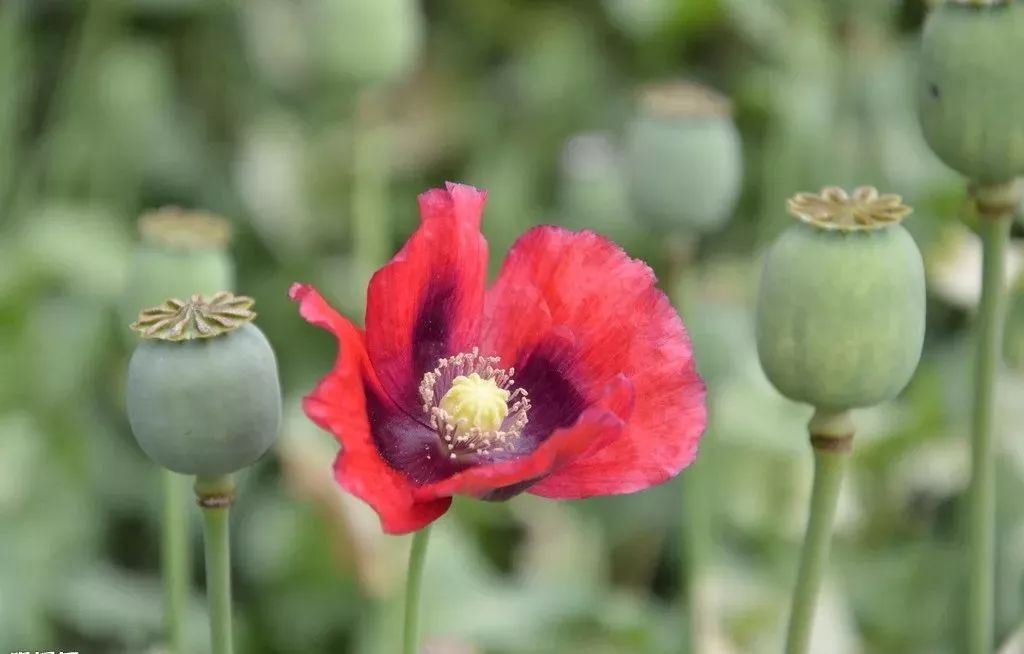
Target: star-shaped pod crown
198 317
833 208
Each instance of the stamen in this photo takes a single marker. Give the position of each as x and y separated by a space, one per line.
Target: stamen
473 404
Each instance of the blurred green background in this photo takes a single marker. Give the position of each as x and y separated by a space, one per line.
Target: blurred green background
312 125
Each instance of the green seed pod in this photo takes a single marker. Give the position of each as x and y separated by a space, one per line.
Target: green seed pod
684 158
203 395
181 253
970 91
367 41
841 309
592 192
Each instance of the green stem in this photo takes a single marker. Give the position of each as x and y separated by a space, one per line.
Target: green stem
695 527
15 76
995 231
831 437
697 543
215 496
75 100
175 559
45 169
371 229
414 583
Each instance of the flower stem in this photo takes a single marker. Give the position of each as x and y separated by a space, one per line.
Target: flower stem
215 497
996 218
175 559
831 438
414 583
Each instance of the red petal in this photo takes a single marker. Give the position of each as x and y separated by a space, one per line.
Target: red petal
624 325
426 303
598 426
516 319
338 404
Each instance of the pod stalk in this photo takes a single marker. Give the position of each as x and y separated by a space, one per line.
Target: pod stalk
831 436
215 495
996 204
175 558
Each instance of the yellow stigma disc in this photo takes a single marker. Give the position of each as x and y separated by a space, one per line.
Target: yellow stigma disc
474 402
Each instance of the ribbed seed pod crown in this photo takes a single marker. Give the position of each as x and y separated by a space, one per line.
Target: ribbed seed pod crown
683 157
203 395
841 307
971 87
181 252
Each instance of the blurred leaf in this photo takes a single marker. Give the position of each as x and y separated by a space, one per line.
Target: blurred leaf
83 248
64 341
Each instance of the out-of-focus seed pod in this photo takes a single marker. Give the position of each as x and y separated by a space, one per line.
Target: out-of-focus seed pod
367 41
641 18
203 395
684 157
841 309
181 253
593 193
134 87
971 87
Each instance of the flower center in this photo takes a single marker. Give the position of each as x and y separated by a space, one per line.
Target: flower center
475 402
473 405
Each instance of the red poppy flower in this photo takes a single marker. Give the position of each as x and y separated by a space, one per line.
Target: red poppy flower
572 376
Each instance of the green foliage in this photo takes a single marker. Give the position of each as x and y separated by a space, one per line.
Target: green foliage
255 110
